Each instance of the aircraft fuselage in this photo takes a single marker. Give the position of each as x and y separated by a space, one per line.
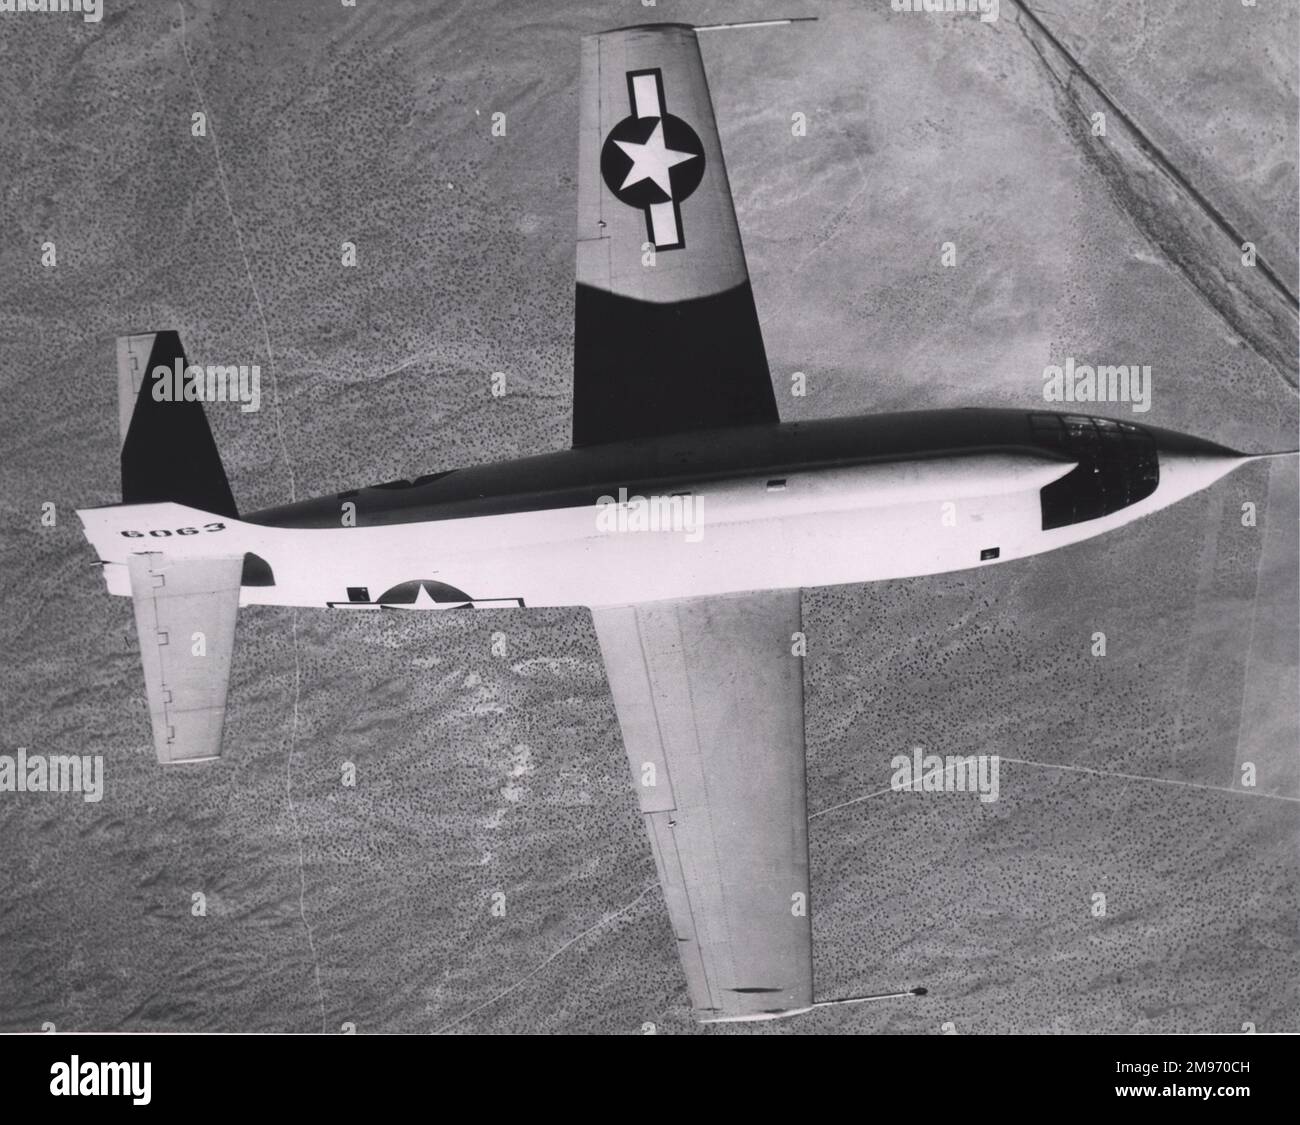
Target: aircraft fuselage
753 508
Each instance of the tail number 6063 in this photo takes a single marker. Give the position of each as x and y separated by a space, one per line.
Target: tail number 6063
163 533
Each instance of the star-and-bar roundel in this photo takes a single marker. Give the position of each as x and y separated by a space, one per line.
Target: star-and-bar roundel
653 160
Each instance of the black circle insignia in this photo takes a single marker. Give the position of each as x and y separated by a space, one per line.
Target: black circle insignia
615 164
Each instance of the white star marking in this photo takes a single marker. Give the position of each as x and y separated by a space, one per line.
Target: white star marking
422 599
652 160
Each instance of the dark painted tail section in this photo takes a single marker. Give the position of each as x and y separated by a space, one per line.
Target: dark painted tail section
169 454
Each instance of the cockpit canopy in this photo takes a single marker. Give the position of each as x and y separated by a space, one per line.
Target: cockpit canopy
1117 466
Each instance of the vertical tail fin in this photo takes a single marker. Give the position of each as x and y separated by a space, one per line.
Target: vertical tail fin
167 448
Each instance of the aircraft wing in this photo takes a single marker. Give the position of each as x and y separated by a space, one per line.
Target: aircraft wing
666 336
710 702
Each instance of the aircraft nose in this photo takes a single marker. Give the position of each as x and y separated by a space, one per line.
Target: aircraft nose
1184 470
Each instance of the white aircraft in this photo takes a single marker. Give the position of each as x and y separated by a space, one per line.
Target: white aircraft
674 404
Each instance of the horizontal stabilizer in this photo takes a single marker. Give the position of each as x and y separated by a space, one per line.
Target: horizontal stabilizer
185 617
